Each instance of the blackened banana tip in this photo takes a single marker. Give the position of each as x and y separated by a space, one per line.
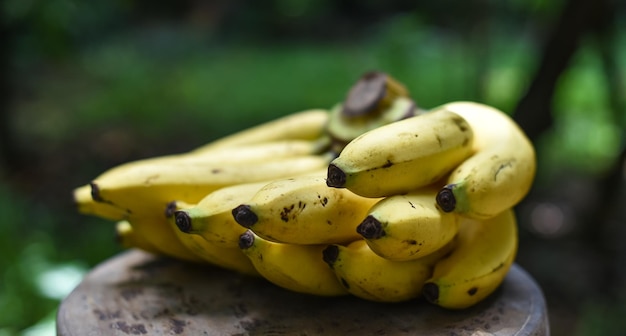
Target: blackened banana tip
445 198
170 209
370 228
95 192
335 177
246 240
330 255
244 215
431 292
183 221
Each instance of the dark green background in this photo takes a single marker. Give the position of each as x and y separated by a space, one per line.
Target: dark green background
88 85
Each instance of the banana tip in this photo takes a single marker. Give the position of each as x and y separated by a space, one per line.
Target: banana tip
335 177
370 228
183 221
95 192
445 198
330 255
431 292
170 209
246 240
244 215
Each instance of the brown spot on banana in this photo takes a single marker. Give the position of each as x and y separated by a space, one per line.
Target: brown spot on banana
502 167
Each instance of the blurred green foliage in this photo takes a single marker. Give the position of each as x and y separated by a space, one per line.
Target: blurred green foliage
175 76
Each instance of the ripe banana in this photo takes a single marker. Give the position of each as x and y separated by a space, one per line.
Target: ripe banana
409 226
501 171
402 156
127 237
299 268
483 255
212 217
87 206
144 187
303 125
156 231
228 258
369 276
303 210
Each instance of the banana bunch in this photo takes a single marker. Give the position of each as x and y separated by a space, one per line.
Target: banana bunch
374 198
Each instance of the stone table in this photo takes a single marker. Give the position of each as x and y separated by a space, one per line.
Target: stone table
136 293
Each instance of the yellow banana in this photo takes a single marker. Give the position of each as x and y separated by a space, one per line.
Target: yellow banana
145 187
303 125
212 217
228 258
155 230
369 276
478 264
501 171
87 206
409 226
402 156
259 152
299 268
127 237
303 210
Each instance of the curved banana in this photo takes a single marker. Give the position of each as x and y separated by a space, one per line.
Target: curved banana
145 187
224 257
402 156
212 217
483 255
86 205
409 226
303 125
303 210
262 151
369 276
299 268
501 171
127 237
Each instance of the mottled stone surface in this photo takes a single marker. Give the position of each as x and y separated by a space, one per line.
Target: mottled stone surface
136 293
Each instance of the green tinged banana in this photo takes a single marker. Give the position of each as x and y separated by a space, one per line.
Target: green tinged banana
499 174
409 226
402 156
369 276
212 217
478 264
299 268
303 210
224 257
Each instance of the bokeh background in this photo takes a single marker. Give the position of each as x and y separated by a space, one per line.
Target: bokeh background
86 85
